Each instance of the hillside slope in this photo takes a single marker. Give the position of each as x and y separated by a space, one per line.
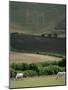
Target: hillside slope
35 18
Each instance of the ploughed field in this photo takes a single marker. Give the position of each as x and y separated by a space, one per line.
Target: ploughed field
17 57
37 43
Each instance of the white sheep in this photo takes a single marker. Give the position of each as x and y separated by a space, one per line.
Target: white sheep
60 74
19 75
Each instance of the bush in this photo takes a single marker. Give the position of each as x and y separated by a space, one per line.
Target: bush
55 35
43 35
49 35
47 71
44 64
29 73
52 69
12 73
13 66
54 62
33 67
21 66
39 69
62 63
42 68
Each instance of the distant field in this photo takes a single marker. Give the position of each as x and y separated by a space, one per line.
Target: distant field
16 57
37 81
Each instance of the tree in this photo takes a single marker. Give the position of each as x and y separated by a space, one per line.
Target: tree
62 63
49 35
55 35
43 35
12 73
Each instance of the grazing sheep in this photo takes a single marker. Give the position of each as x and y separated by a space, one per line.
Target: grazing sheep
60 74
19 75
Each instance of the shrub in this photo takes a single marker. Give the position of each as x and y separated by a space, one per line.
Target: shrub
51 69
44 64
62 63
13 66
42 68
39 69
54 62
55 35
47 71
49 35
33 67
20 66
29 73
43 35
12 73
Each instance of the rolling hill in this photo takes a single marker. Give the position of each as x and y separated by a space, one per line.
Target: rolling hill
35 18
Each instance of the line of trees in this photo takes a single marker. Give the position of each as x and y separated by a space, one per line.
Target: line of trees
37 69
54 35
50 35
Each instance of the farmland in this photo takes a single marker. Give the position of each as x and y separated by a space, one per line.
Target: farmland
37 81
32 43
37 44
17 57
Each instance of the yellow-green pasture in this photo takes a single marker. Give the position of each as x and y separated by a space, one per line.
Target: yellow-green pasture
37 81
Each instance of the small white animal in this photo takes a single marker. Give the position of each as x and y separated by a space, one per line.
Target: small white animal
60 74
19 75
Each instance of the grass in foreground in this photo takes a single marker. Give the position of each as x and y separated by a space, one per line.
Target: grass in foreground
37 81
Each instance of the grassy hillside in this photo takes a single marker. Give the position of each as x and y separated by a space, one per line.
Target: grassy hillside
34 18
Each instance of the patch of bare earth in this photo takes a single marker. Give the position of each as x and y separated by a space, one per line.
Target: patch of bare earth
16 57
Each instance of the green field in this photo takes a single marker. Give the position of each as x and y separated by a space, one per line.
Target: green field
37 81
